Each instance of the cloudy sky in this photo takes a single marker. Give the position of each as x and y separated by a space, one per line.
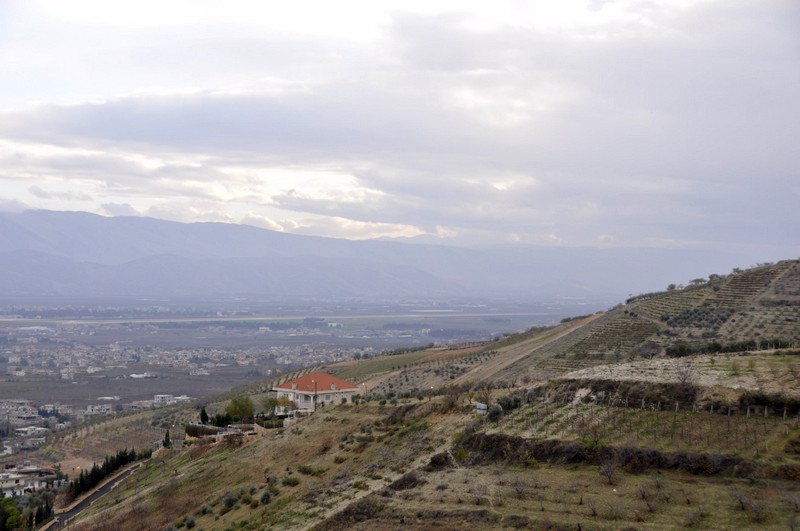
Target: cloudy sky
621 123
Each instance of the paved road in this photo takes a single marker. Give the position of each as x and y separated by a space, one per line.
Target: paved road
61 520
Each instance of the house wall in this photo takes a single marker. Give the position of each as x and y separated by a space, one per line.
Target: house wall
305 401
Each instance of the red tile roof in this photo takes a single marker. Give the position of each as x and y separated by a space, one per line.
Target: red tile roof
324 382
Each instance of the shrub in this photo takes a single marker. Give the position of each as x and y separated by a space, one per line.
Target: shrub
270 423
407 481
520 488
517 522
229 500
495 413
194 430
789 472
398 416
439 461
234 439
310 470
291 481
615 510
509 403
776 401
461 454
364 509
266 497
190 523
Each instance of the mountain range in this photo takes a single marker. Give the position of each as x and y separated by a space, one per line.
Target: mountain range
77 254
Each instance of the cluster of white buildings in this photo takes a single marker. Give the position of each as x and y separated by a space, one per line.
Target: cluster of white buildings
27 427
19 479
168 400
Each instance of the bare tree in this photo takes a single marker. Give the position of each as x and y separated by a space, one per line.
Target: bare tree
452 395
741 498
608 469
649 350
486 393
685 373
590 429
520 488
759 509
470 394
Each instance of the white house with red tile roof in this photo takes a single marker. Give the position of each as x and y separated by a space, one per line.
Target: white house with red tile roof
316 389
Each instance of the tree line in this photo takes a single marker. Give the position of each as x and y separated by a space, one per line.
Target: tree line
682 348
88 479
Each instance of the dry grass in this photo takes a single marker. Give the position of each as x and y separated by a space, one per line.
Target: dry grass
337 456
493 496
767 371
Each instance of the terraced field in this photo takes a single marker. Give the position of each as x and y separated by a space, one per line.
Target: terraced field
763 302
775 322
787 286
669 303
739 289
418 379
767 371
617 334
688 429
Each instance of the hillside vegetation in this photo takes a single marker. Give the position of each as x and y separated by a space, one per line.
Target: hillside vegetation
675 409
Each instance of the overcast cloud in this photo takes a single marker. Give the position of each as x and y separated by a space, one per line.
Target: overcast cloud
630 123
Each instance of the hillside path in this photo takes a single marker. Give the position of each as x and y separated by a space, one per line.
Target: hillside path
514 353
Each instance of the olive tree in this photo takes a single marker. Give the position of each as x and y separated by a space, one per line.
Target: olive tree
240 408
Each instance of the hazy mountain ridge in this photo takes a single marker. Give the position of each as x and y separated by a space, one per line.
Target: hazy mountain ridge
45 253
